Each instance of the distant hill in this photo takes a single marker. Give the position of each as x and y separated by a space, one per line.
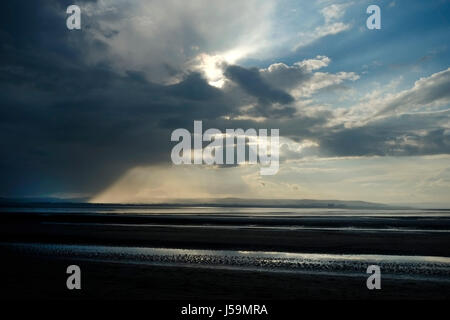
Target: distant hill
285 203
4 200
221 202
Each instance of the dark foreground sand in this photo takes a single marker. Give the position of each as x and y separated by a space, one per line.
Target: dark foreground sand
43 279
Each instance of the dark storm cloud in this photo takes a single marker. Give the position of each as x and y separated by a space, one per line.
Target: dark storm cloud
251 81
253 84
404 135
68 126
87 126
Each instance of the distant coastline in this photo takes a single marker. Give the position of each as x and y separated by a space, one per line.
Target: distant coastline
220 202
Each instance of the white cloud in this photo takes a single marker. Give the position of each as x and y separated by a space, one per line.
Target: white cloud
300 80
330 27
313 64
429 94
334 12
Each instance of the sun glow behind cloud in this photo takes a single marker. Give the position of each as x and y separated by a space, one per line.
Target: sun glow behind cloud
212 66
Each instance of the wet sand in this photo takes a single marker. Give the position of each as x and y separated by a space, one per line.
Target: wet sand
420 236
35 276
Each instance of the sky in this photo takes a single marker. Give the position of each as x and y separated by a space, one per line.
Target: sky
362 114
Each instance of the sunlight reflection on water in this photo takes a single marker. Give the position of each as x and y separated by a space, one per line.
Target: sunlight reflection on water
401 265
